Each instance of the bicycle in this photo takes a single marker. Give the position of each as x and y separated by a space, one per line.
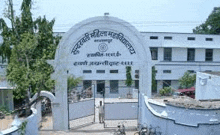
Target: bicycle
121 129
153 131
143 130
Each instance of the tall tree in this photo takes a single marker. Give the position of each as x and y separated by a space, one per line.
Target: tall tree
27 44
128 80
187 80
154 82
211 25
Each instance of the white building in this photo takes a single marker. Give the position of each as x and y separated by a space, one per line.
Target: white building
175 53
6 93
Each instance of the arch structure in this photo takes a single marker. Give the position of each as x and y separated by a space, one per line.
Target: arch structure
45 94
37 106
100 43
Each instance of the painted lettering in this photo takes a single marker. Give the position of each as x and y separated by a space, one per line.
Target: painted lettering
103 63
84 63
97 33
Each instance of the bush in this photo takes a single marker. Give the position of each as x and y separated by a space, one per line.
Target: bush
3 109
165 91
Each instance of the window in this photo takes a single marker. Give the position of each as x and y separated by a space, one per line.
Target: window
167 54
166 71
166 83
191 71
113 71
168 38
153 37
87 71
100 71
208 54
113 86
136 73
190 54
136 84
209 39
154 53
100 86
191 38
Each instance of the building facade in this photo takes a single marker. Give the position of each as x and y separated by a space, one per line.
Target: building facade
172 55
175 53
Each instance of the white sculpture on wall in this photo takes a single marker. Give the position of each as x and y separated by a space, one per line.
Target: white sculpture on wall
203 81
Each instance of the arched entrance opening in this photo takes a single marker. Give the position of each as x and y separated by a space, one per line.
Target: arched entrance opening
98 50
81 102
46 114
45 110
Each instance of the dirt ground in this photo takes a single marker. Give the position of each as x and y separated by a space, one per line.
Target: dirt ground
187 102
6 122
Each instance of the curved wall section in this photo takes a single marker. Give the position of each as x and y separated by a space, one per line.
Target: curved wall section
31 127
181 121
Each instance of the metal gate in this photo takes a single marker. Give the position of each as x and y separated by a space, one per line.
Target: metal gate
81 106
121 109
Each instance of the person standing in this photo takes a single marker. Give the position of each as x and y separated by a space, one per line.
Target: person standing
101 113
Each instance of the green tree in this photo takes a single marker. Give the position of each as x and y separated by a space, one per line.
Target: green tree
73 82
154 82
128 80
27 44
187 80
211 25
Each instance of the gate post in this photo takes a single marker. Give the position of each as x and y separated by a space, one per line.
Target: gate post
39 115
61 107
145 79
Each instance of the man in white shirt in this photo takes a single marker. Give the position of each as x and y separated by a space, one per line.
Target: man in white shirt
101 113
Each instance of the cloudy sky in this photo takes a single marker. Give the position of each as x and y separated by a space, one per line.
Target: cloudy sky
146 15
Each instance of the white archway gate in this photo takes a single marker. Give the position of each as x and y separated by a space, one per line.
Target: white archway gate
97 49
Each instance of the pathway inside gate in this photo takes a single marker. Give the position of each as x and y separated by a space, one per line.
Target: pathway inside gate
82 124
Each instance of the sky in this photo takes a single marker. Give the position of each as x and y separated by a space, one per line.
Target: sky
146 15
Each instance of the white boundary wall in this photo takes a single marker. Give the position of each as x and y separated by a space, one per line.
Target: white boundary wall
31 127
173 120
